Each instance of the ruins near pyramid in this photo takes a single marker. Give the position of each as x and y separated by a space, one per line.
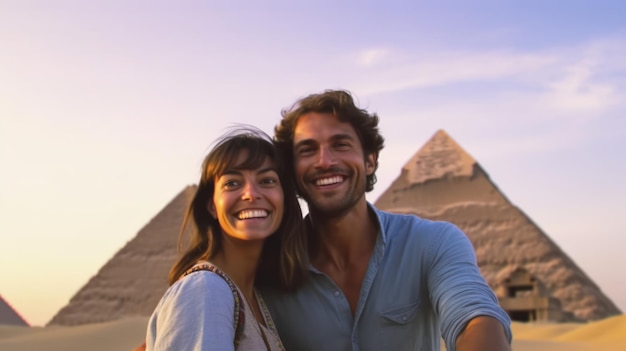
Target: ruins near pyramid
533 278
8 315
133 281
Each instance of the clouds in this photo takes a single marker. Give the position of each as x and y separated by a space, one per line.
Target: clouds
587 82
536 100
372 57
432 70
569 77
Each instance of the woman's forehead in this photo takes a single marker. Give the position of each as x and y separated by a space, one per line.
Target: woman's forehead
249 159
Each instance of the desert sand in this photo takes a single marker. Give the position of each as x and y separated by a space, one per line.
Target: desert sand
607 335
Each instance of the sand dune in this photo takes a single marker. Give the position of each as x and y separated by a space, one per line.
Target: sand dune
111 336
607 335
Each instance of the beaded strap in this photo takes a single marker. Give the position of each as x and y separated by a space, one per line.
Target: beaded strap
239 312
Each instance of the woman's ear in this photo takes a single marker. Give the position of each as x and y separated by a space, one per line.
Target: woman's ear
211 208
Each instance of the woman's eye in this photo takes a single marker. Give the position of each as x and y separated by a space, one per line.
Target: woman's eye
231 183
269 181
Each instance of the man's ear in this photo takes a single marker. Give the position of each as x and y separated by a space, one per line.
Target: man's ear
370 163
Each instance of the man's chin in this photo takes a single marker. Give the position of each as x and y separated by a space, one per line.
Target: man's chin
328 208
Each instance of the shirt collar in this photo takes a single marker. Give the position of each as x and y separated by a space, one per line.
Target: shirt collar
381 237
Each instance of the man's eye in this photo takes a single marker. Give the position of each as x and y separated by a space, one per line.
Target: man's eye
304 151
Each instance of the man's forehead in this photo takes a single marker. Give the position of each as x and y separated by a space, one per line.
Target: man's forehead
320 126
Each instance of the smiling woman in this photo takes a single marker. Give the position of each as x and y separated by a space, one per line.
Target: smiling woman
247 227
259 215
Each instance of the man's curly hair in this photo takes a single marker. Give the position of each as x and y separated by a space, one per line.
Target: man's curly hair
341 104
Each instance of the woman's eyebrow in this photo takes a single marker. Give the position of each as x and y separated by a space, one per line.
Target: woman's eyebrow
267 169
231 171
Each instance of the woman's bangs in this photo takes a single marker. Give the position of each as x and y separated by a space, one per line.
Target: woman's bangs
256 151
256 155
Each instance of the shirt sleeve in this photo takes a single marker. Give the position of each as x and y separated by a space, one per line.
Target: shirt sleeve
459 292
196 313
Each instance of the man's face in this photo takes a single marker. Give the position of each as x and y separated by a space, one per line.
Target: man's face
329 163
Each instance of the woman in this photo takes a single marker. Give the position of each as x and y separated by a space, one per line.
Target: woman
247 230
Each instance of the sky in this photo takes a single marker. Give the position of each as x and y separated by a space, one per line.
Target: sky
107 109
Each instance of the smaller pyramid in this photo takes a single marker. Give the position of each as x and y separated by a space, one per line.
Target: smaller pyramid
533 278
133 281
8 315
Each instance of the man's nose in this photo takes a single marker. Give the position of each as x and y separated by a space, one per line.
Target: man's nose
326 158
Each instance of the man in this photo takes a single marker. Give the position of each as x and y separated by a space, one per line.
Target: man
379 281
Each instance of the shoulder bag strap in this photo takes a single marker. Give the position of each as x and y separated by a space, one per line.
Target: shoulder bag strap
239 313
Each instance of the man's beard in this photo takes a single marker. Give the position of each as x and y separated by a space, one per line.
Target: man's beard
335 208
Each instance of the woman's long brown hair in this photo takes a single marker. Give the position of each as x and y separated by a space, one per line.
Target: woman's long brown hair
284 256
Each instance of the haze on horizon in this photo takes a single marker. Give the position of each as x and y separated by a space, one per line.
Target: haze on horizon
108 107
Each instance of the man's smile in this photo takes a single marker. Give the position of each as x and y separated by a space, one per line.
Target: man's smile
329 180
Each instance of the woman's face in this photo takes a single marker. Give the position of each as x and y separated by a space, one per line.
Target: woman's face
248 204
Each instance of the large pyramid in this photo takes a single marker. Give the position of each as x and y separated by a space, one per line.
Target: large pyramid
533 278
133 281
8 316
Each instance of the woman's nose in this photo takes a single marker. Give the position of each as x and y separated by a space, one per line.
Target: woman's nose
250 192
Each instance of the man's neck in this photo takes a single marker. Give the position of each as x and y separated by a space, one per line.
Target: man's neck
342 240
344 246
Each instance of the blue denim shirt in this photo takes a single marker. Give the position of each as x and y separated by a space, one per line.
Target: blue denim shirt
422 283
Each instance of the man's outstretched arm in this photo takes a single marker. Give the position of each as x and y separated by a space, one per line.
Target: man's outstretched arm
483 333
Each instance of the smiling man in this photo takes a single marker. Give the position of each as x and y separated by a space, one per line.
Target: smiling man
378 281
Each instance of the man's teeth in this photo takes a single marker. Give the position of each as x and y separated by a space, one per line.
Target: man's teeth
329 181
252 214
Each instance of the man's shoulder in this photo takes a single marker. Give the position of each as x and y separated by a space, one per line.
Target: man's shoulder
405 217
406 223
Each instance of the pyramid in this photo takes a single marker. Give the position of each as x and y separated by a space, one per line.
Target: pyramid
133 281
8 316
533 278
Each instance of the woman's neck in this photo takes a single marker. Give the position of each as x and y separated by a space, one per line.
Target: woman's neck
241 265
240 262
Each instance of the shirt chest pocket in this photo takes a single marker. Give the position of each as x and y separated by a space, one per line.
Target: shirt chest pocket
400 314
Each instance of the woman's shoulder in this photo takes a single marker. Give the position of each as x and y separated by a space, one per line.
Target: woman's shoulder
199 306
202 282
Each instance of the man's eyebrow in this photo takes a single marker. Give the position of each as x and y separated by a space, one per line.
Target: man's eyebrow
304 142
342 136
